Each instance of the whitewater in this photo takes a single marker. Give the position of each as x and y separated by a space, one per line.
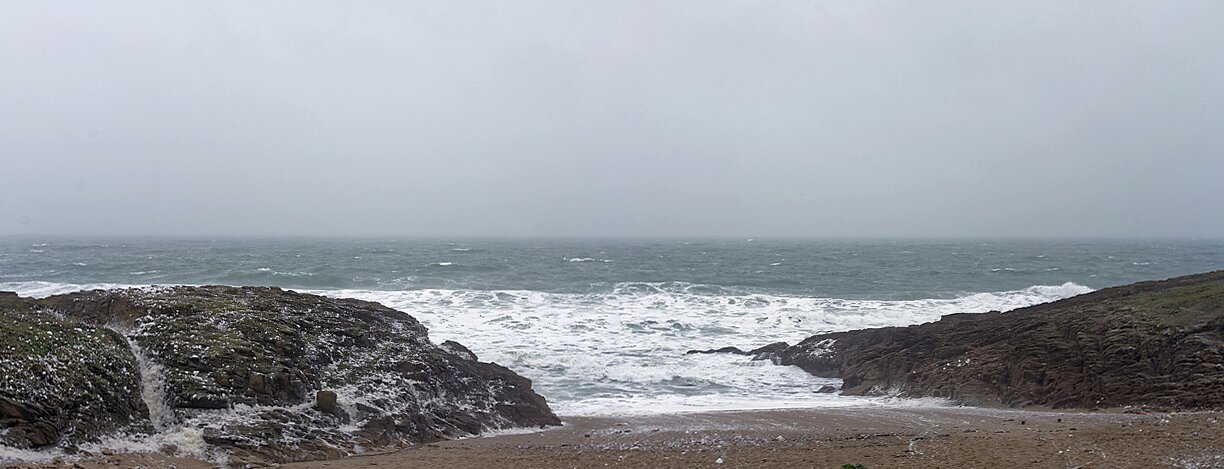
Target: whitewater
623 351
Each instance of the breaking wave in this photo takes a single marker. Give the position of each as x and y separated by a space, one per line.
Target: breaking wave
623 349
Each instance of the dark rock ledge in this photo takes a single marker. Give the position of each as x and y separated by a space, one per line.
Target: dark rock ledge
1158 344
266 374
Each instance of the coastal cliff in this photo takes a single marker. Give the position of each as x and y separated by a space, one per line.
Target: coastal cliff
1157 344
260 374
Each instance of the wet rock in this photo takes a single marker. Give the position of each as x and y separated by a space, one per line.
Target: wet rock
827 389
243 361
458 349
733 350
1158 343
325 402
768 352
62 381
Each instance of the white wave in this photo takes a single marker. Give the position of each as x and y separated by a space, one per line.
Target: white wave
180 440
39 289
9 454
587 259
443 264
504 432
294 274
674 404
624 350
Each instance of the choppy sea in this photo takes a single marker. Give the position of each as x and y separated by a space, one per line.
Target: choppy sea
602 326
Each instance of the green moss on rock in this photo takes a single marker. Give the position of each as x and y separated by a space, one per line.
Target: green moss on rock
62 381
246 364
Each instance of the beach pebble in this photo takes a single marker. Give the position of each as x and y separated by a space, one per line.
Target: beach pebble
718 461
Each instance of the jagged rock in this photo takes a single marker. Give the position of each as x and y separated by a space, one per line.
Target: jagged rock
62 381
827 389
768 352
240 362
1158 343
734 350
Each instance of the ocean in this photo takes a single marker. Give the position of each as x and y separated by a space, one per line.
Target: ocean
602 326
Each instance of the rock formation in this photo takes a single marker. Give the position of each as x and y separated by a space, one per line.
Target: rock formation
1158 344
62 380
268 374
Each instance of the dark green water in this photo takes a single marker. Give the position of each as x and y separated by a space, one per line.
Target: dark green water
843 269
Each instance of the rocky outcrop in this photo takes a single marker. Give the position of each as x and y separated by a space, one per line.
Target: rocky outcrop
274 375
1158 343
62 381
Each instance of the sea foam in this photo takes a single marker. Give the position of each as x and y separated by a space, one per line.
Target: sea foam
622 351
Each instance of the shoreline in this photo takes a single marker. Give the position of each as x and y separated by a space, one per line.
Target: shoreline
876 437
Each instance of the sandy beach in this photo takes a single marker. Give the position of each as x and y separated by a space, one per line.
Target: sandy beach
934 437
830 438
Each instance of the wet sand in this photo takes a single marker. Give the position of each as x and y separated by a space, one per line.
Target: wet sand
875 438
934 437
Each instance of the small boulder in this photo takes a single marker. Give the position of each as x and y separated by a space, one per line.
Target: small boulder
325 402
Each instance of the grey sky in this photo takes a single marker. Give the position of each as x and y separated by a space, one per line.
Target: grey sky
747 118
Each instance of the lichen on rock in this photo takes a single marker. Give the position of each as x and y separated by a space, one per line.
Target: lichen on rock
274 375
63 381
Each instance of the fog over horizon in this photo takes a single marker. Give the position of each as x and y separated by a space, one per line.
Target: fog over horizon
776 119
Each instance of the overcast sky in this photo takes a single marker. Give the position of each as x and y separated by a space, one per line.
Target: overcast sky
683 118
